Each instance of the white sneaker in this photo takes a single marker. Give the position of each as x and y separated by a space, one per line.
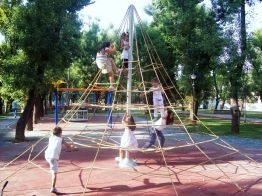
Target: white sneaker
54 190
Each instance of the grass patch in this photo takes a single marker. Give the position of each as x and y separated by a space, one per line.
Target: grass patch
223 127
249 114
3 116
253 114
205 111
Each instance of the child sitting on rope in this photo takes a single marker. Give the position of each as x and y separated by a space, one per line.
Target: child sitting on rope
105 63
125 46
158 101
157 128
52 154
128 139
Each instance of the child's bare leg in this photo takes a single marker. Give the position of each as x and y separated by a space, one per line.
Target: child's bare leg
121 154
111 78
113 65
54 176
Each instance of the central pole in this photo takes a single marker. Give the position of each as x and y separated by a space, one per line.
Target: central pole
130 58
129 162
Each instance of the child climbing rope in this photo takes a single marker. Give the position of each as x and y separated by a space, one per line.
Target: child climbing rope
158 101
52 154
128 139
157 128
125 46
105 63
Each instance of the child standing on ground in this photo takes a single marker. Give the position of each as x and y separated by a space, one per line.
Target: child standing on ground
157 128
52 154
158 101
128 139
125 46
105 63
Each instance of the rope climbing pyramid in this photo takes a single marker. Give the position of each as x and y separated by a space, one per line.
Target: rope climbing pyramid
132 94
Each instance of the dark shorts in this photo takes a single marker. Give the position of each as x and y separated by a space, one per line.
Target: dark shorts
125 63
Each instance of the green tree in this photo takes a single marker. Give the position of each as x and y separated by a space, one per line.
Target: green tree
256 61
8 11
231 14
195 37
50 41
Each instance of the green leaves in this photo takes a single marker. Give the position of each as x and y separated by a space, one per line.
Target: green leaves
195 38
42 40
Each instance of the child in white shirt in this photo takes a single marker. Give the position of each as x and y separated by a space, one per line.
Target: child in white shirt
105 63
125 46
158 101
52 154
158 127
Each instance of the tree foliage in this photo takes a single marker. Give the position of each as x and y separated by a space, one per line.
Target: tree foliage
193 34
256 60
47 32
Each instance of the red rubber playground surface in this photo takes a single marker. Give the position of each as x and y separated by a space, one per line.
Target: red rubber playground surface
188 171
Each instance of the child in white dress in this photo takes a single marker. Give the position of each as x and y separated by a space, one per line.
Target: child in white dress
128 140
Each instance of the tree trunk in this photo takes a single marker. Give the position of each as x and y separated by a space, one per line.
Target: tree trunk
21 123
235 119
1 105
182 107
41 107
29 125
217 102
5 106
45 106
37 108
216 90
50 98
8 106
260 95
243 31
193 110
236 82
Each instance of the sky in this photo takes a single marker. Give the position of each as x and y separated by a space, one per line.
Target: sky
113 11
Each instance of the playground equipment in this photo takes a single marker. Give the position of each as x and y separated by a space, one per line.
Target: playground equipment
154 68
103 138
82 114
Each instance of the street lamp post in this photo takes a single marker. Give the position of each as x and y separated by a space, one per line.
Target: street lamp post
193 77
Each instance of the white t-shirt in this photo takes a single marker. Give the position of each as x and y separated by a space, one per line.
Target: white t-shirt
101 57
157 92
125 52
54 148
160 124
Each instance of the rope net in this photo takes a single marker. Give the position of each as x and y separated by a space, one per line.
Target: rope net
100 136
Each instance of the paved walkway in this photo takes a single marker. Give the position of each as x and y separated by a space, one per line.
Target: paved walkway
6 133
188 167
